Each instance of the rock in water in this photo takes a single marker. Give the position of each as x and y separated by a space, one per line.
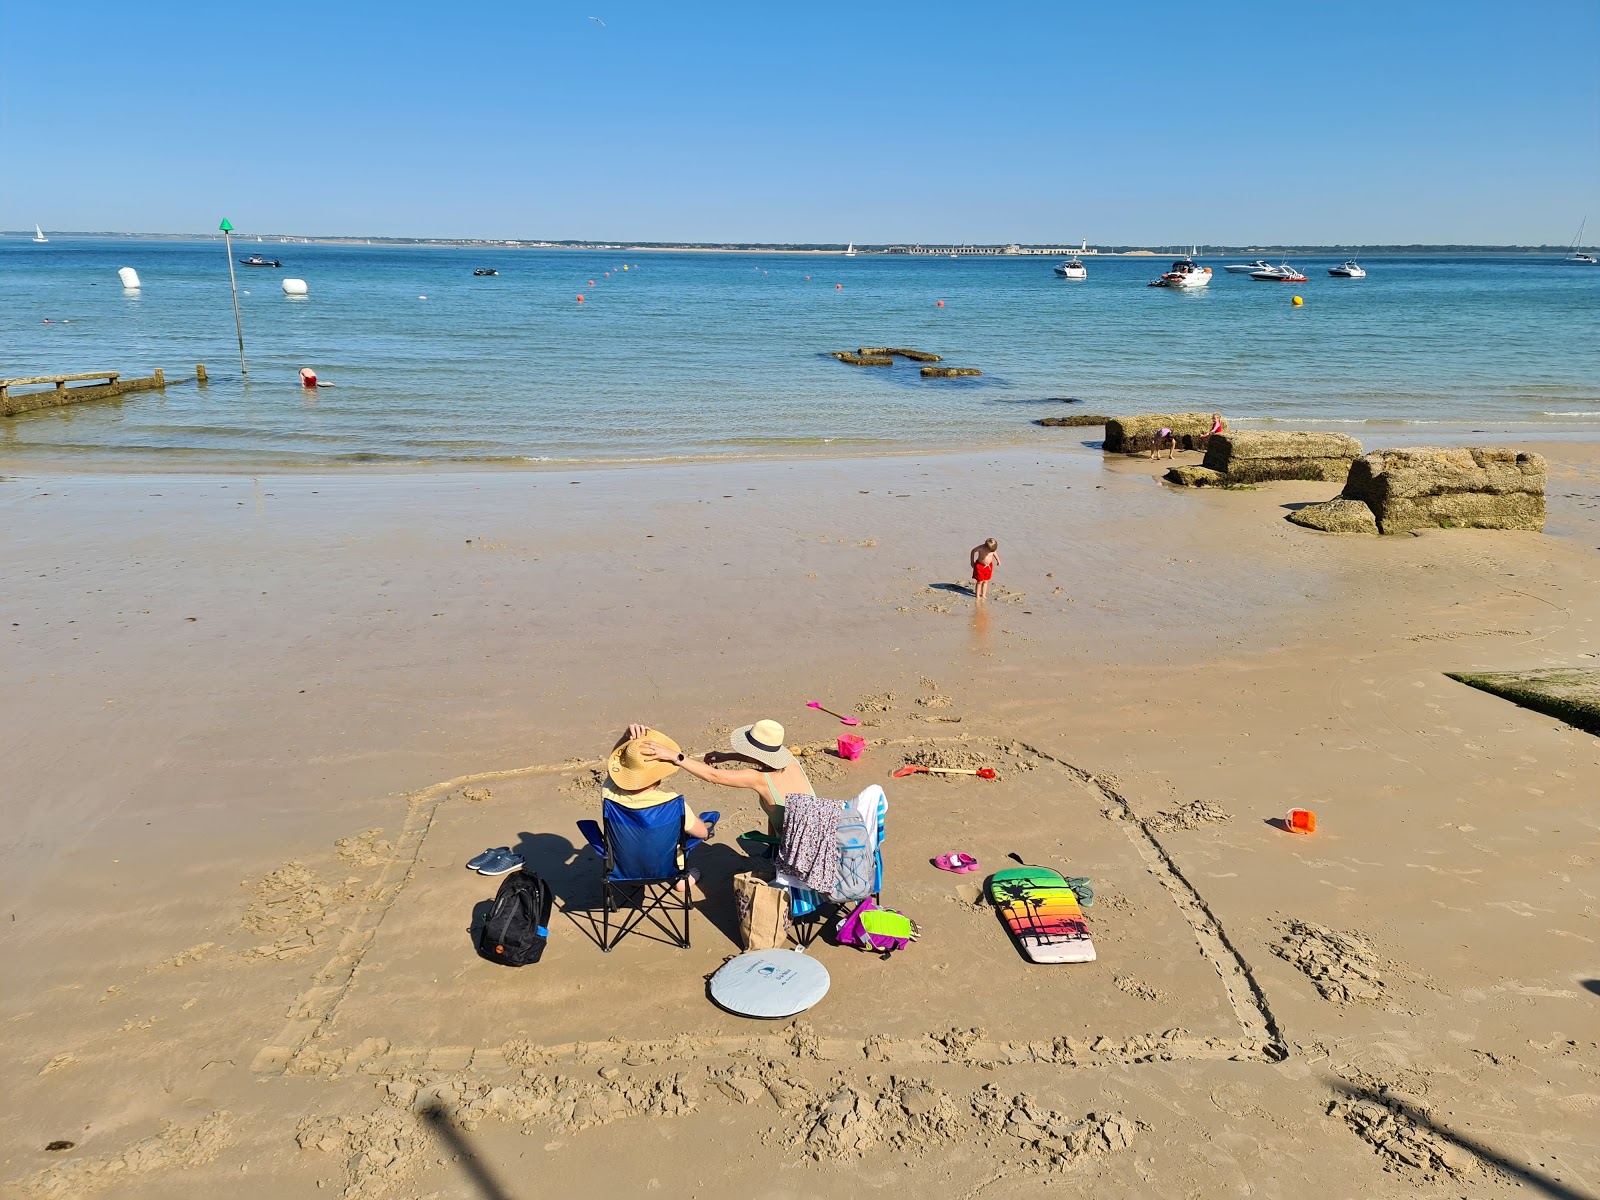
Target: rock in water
948 372
1196 477
1080 419
1431 487
1253 456
1336 516
1136 435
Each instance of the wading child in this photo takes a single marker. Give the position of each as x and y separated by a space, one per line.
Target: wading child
985 559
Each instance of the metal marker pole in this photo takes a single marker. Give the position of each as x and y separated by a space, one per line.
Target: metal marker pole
227 240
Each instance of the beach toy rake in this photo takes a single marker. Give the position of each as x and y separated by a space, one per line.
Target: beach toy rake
817 704
914 769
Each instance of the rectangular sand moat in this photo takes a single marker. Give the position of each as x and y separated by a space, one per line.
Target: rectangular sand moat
421 987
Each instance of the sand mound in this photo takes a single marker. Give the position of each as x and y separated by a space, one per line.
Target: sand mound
365 849
1343 967
174 1147
876 704
1385 1123
1190 816
380 1148
296 907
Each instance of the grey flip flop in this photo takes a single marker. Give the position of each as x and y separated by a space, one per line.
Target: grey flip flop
503 863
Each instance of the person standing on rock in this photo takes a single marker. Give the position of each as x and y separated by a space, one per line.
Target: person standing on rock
985 558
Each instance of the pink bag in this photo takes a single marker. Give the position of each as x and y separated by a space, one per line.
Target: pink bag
877 930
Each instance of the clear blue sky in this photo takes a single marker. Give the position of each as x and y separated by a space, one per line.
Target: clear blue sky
1132 122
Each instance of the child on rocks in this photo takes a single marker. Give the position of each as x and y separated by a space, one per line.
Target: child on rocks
985 558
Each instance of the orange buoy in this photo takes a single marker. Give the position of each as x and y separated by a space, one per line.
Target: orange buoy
941 304
838 287
591 283
580 299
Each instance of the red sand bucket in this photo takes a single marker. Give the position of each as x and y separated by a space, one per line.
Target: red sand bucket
1301 820
851 746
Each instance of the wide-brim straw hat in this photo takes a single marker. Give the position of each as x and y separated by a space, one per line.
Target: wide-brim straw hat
631 771
763 742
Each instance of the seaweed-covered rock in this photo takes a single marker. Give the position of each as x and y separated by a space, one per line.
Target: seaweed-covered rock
1187 476
1336 516
863 360
1079 419
1256 456
1568 695
1428 486
1137 435
897 351
948 372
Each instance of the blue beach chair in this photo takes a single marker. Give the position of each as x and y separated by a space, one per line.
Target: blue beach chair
641 849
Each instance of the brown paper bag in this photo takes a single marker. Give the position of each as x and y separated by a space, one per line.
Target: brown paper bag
764 922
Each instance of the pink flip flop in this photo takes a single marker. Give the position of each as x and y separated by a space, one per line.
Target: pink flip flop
956 864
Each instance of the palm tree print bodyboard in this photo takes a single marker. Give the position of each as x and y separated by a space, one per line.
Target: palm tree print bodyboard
1042 913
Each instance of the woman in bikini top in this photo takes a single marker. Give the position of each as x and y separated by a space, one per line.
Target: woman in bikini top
762 764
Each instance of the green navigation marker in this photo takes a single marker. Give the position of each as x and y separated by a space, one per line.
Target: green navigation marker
226 226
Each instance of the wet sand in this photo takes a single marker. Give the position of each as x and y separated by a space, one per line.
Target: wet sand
258 724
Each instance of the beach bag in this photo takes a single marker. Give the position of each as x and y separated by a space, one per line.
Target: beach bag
856 868
877 930
764 922
517 927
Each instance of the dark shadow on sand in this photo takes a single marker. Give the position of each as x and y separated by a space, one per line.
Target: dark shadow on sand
1524 1175
455 1140
964 589
1592 985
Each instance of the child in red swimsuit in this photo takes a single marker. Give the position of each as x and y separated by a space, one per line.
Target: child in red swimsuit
985 558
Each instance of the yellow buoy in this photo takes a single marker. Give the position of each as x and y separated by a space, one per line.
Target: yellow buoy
1297 302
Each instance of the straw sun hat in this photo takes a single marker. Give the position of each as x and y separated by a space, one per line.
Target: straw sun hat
763 742
631 771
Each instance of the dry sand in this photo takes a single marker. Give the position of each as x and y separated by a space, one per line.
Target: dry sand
256 726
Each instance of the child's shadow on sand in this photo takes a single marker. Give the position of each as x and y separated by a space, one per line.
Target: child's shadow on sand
963 588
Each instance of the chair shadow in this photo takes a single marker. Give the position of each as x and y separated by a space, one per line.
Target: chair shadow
1591 985
962 588
1523 1174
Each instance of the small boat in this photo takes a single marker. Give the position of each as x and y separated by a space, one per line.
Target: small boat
256 260
486 271
38 235
1281 274
1349 269
1073 268
850 250
1185 273
1260 264
1574 255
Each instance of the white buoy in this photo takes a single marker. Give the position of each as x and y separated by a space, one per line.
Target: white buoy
129 277
294 287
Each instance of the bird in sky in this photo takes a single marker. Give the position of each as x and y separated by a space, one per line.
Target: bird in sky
598 21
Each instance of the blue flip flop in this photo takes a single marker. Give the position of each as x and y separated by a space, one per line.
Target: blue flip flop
503 863
477 862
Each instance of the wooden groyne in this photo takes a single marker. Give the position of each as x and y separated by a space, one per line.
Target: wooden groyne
58 394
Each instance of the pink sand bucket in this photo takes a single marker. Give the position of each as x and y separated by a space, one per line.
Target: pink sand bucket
851 745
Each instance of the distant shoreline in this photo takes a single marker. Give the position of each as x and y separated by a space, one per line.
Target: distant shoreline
964 250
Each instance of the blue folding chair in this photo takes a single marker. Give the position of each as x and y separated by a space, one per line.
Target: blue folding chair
641 848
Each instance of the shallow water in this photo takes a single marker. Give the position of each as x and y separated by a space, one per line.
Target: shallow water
691 355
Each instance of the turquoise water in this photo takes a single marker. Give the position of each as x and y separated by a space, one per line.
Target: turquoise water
689 355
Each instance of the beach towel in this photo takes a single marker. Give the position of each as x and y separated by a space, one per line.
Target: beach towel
809 854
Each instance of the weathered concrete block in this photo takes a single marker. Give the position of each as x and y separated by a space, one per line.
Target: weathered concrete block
1136 435
1336 516
1429 486
1256 456
1196 477
1572 696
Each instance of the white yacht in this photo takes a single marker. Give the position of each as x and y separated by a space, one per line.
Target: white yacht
1574 255
1260 264
1185 273
1073 268
1281 274
38 235
1349 269
850 250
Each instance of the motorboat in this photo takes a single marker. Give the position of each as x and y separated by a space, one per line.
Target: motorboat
1280 274
1349 269
256 260
1260 264
486 271
1073 268
1185 273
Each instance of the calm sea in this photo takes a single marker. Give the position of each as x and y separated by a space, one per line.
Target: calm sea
692 355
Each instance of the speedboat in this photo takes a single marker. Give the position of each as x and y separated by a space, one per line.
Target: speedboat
255 260
486 271
1281 274
1073 268
1185 273
1350 269
1260 264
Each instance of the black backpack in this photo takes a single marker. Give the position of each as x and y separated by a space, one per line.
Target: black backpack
517 926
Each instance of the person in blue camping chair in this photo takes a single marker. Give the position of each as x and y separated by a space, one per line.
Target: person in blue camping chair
644 835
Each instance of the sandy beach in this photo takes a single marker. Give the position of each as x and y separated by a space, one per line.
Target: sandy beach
257 725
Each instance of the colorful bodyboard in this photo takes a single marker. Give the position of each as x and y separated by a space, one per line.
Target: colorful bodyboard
1042 913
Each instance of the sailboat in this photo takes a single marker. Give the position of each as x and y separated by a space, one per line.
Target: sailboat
38 235
1574 255
850 250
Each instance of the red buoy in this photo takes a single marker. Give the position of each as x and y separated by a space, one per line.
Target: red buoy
580 299
941 304
591 283
838 287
